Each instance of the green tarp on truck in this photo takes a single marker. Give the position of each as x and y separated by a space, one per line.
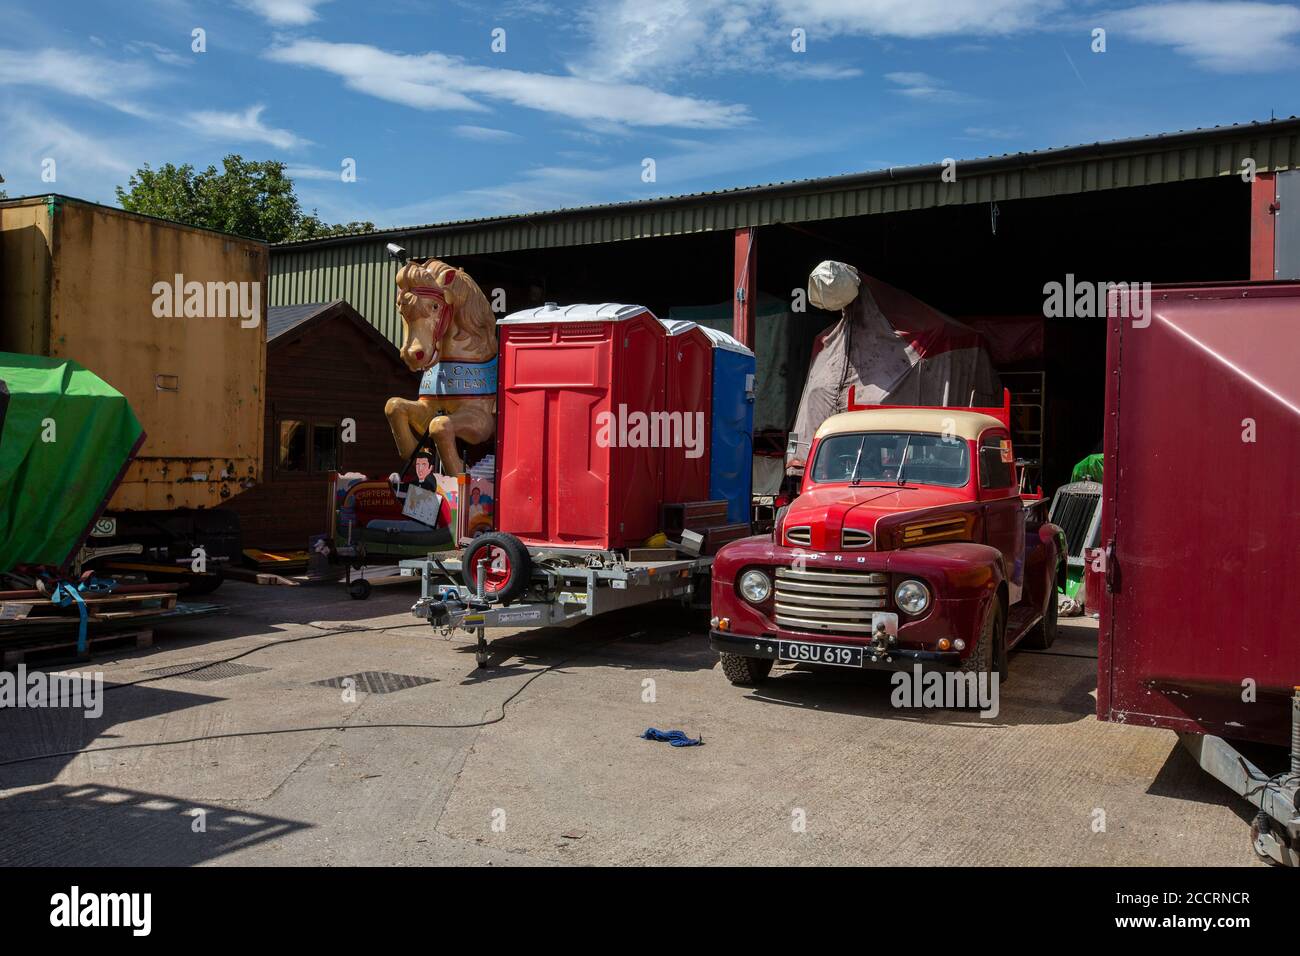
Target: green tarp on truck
68 437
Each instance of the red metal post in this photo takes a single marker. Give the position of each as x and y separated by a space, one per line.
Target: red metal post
745 286
1263 226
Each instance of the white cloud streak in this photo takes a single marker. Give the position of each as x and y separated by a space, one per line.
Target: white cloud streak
436 81
245 127
73 73
285 13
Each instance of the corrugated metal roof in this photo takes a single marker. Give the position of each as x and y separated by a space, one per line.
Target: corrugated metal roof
357 268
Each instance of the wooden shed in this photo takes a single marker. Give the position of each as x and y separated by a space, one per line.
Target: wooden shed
328 374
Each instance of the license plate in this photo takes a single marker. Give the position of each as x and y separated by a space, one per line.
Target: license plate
805 653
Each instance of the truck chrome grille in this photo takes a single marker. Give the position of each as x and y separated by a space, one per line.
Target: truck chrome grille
1077 509
802 535
829 600
853 538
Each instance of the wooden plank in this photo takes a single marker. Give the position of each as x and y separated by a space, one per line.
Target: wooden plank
17 655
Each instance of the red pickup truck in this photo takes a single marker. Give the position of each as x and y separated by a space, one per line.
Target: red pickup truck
909 543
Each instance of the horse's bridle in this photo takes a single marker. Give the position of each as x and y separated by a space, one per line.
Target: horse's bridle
444 316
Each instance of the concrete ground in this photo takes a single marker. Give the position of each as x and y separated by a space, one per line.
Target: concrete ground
816 767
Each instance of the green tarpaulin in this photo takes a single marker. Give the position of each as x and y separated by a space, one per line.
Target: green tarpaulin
68 437
1088 469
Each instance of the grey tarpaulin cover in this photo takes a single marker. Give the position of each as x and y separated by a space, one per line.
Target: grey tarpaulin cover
893 348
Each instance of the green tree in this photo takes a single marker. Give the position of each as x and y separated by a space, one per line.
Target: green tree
245 197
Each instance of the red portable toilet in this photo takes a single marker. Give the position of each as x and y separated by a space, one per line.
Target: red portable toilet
578 386
688 397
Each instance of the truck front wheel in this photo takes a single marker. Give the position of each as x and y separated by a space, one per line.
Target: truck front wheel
746 671
989 654
1043 634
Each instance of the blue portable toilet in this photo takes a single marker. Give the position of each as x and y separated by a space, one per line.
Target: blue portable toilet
731 467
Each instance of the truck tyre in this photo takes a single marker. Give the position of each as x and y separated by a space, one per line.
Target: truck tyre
989 654
509 566
745 671
1044 633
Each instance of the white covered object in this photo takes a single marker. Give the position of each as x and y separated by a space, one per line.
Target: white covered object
833 285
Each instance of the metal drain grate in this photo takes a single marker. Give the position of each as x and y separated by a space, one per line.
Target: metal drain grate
377 682
218 670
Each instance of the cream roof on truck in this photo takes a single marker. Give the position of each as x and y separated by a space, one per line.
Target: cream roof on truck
953 421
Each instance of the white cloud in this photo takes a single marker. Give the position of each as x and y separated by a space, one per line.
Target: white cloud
923 86
632 39
485 134
245 127
1224 37
85 165
314 173
72 73
644 39
160 53
918 18
435 81
285 13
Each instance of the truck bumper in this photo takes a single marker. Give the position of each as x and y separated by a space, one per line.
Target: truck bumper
897 659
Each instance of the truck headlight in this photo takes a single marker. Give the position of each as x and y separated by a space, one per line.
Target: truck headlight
912 597
755 586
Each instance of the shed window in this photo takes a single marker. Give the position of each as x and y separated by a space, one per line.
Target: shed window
307 447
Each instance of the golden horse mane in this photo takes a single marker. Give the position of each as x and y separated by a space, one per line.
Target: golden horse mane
473 332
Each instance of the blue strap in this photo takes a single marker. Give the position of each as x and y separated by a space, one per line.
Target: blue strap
676 738
65 594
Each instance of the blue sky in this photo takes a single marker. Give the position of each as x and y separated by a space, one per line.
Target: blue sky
441 127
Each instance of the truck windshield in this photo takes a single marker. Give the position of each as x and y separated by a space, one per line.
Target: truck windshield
876 457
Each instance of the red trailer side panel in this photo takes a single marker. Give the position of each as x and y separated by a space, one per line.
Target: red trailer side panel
1201 513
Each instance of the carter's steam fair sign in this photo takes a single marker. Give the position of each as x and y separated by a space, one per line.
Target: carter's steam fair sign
208 300
460 379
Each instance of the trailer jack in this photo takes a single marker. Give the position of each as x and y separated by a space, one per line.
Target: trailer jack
1275 833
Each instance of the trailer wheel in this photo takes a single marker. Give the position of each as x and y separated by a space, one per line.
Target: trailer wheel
1261 824
745 671
509 566
1043 635
359 589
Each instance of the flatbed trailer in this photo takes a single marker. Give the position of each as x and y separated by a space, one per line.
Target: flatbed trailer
565 587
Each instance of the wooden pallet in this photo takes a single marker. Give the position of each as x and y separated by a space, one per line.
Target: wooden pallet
62 647
109 607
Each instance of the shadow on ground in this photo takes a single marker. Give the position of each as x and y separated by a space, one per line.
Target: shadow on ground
108 826
29 732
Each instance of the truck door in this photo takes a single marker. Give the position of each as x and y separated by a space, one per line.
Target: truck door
1004 527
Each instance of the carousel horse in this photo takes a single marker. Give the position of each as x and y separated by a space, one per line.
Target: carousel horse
451 338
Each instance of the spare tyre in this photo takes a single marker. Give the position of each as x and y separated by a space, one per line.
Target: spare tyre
508 566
